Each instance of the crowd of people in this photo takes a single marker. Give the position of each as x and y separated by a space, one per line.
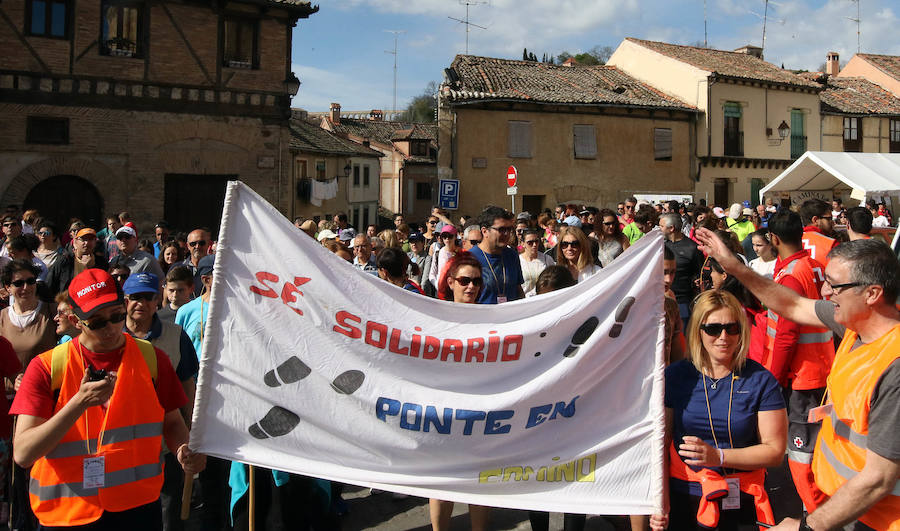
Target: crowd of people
781 339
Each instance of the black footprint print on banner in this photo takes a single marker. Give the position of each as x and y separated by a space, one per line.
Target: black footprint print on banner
581 335
348 382
277 422
621 314
293 370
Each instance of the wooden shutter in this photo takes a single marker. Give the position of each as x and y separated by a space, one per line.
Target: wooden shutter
662 143
585 141
519 139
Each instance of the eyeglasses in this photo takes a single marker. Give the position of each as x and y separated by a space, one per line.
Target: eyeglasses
31 281
464 281
610 223
45 233
201 243
502 230
141 296
565 245
97 324
715 329
836 287
532 242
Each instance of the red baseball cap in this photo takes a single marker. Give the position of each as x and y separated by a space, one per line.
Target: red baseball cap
92 290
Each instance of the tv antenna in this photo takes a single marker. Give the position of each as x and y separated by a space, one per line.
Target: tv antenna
396 33
468 3
705 36
857 19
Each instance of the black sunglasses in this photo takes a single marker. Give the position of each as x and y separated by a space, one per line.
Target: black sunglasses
31 281
119 276
124 236
97 324
715 329
532 242
10 223
445 235
565 245
610 223
145 296
474 242
464 281
201 243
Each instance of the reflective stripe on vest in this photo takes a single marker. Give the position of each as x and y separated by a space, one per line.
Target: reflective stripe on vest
111 479
843 470
844 430
115 435
799 457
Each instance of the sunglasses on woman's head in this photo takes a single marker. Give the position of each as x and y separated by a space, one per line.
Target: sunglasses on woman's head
715 329
464 281
31 281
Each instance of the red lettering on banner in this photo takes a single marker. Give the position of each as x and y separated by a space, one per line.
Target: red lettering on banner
516 343
349 330
474 349
394 345
262 277
452 347
431 348
382 330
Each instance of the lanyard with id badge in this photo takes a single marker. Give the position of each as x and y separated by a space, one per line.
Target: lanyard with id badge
733 499
94 466
501 288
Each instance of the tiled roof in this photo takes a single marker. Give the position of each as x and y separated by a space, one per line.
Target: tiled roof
473 78
730 64
382 131
310 138
889 64
858 96
305 8
416 132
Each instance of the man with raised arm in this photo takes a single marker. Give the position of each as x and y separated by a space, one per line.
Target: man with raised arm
857 456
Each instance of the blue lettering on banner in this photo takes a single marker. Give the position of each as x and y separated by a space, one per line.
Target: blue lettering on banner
416 417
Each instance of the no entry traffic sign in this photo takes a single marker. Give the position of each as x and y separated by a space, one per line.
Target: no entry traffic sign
511 175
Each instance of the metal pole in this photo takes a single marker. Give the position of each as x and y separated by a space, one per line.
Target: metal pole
513 197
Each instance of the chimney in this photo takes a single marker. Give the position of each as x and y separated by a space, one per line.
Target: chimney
832 63
749 49
336 113
376 114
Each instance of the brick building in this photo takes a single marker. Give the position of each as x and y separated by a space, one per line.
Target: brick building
145 106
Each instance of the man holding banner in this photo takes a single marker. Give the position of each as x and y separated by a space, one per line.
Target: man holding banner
93 413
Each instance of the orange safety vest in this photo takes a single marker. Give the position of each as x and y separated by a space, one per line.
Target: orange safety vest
815 347
713 486
818 246
131 444
841 447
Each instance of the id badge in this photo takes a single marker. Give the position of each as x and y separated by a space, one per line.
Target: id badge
816 414
501 299
94 472
733 500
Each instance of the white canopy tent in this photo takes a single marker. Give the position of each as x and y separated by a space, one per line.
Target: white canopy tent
865 174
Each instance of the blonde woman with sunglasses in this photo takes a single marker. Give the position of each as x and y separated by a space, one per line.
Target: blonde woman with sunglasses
725 424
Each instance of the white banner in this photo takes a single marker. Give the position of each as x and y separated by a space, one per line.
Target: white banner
311 366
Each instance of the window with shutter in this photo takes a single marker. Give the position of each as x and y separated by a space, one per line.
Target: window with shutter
662 143
519 139
585 141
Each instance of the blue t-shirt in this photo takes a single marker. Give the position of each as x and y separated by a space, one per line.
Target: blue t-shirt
499 271
189 318
755 389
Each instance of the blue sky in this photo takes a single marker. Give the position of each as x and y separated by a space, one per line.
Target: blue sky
339 53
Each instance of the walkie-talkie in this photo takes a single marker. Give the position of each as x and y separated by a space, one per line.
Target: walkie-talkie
95 375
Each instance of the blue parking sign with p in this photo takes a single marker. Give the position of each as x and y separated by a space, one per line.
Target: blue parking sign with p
448 196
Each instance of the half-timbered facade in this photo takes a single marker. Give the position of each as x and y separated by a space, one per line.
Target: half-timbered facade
148 106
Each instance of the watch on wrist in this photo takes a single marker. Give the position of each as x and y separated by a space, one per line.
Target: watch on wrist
803 525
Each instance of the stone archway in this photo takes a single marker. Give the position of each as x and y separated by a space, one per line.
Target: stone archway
64 197
63 187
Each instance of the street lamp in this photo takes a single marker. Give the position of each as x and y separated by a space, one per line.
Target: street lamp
783 130
347 169
292 85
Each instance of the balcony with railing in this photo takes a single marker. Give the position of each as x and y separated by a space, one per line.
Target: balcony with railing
734 143
798 146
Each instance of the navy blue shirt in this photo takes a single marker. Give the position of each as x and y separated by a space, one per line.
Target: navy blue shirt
502 275
755 389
